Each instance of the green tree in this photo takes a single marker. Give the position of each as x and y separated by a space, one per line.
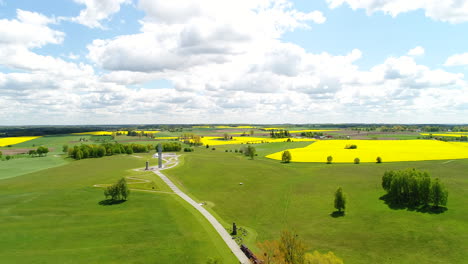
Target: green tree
42 151
286 157
340 200
357 161
123 188
439 194
329 159
79 154
378 160
65 148
1 154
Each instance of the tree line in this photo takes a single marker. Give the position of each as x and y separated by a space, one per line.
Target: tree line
414 188
85 151
280 133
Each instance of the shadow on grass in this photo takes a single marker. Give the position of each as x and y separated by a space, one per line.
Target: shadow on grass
421 208
337 214
111 202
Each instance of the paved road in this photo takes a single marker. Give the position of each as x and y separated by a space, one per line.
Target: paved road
172 161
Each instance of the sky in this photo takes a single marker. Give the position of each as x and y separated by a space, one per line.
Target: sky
66 62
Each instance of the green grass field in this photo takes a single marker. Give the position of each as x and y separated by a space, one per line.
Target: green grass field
21 166
276 196
54 216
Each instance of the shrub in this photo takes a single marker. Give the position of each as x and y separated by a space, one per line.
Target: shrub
329 159
226 150
379 160
213 149
236 151
357 161
349 146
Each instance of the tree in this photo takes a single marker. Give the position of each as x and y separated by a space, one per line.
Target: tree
291 247
118 191
379 160
32 152
340 200
357 161
329 159
286 157
42 151
251 132
317 258
1 154
250 151
123 188
65 148
79 154
226 136
439 194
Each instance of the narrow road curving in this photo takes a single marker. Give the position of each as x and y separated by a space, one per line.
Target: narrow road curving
171 160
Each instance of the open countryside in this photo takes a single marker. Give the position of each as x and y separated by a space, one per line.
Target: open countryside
233 132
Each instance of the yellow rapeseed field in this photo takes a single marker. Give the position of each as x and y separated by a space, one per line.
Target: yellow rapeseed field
215 141
147 131
14 140
369 150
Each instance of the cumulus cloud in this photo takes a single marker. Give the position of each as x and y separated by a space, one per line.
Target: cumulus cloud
452 11
417 51
227 63
457 60
29 29
178 35
96 11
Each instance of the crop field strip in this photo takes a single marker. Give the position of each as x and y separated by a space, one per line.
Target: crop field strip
369 150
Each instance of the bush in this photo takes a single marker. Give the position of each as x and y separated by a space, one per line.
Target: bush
351 146
236 151
207 146
329 159
213 149
379 160
226 150
357 161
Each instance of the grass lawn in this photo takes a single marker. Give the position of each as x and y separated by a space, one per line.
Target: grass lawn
21 166
299 196
54 216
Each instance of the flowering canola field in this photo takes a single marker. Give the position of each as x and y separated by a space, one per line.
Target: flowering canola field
369 150
215 141
14 140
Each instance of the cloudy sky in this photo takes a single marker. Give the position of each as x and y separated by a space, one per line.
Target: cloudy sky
242 61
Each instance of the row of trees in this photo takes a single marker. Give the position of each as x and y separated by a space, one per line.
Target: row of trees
170 146
85 151
118 191
311 134
280 133
291 249
414 188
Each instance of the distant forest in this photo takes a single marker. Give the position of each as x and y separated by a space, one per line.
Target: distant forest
17 131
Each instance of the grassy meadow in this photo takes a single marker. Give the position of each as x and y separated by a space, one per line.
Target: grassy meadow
55 216
299 196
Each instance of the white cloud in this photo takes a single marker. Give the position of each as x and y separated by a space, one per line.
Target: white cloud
29 29
418 51
96 11
452 11
457 60
183 34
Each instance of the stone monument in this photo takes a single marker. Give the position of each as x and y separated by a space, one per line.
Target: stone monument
159 156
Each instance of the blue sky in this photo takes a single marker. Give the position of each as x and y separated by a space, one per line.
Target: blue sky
258 61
